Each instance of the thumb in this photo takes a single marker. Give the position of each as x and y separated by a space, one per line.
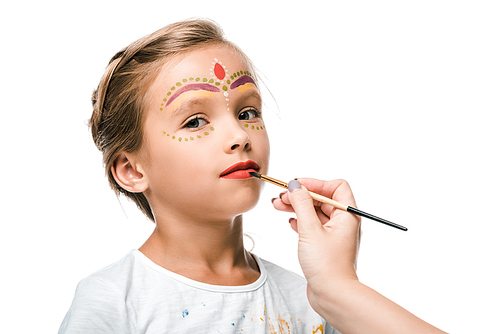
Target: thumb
302 203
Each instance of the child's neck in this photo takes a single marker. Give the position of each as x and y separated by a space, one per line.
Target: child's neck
209 253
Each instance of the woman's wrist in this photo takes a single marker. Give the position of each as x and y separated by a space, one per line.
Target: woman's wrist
332 298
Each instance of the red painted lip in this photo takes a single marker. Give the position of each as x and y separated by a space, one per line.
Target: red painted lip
240 170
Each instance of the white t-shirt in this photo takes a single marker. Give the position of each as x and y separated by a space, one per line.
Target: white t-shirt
135 295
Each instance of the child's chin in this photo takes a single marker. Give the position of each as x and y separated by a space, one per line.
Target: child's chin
242 206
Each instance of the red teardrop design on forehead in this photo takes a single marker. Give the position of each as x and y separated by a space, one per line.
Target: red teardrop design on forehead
219 71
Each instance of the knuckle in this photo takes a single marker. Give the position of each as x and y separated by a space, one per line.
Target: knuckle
342 181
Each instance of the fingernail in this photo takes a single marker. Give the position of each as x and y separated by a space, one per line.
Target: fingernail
281 194
273 199
293 185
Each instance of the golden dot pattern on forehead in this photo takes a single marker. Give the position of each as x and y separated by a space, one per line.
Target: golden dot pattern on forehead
221 79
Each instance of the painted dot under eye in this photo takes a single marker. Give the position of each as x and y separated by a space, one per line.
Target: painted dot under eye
180 139
211 128
246 125
206 133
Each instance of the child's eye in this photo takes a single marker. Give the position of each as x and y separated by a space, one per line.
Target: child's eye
195 123
248 115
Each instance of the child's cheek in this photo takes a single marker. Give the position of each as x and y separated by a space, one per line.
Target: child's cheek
258 135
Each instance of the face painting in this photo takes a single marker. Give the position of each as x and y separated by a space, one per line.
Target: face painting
208 119
220 82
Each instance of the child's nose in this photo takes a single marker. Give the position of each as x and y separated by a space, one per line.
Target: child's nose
237 139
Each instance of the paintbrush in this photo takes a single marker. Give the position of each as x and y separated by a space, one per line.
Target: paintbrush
330 201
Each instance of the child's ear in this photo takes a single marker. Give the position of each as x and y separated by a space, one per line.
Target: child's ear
128 174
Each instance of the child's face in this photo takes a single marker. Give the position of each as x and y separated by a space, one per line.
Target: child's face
204 116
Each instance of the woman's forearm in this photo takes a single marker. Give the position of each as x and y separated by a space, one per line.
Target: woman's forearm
352 307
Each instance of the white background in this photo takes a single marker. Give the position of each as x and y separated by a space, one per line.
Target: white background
401 98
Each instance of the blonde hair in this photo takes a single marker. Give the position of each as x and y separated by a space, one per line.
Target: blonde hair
119 100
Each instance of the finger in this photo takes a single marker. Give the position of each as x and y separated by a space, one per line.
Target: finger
325 211
338 190
323 217
286 200
293 224
308 222
281 206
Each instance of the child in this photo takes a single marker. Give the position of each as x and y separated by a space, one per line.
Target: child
178 118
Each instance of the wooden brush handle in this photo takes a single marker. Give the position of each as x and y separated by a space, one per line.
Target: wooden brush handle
330 201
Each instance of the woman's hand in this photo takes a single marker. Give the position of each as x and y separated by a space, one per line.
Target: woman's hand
328 248
328 237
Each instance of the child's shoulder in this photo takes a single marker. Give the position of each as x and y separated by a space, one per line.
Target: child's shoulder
111 277
115 269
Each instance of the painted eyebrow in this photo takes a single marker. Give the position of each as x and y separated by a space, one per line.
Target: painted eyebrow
241 81
202 86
